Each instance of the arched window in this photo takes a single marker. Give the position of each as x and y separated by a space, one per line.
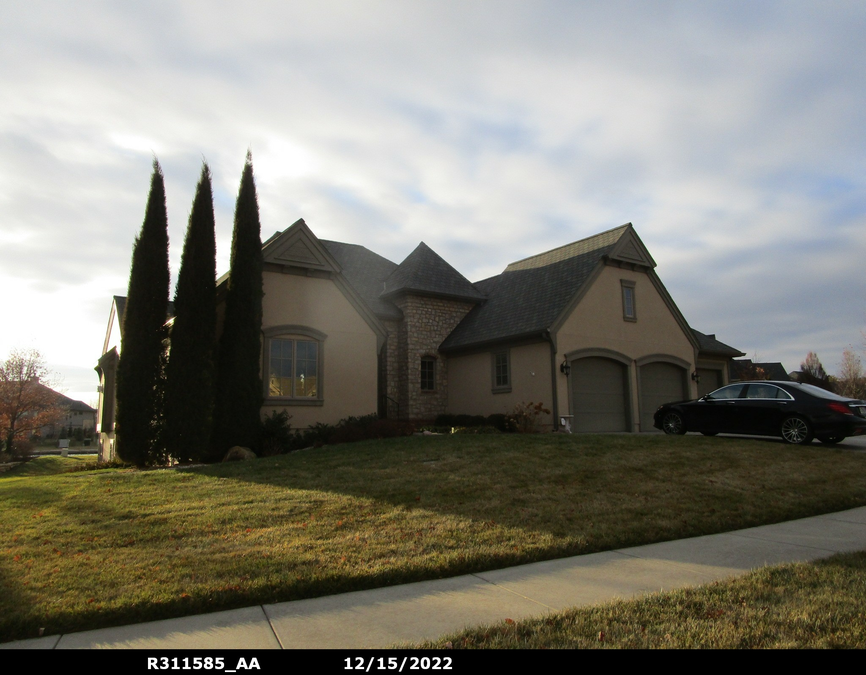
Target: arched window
293 363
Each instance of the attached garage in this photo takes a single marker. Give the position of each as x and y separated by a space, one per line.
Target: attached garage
710 380
599 394
660 382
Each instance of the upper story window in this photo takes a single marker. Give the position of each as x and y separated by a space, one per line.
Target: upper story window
293 363
629 307
501 364
428 373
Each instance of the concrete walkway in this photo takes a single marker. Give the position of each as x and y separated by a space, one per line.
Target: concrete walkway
385 616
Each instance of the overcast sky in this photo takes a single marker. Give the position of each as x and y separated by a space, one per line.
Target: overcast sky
730 134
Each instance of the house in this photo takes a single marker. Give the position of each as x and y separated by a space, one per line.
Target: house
77 416
587 328
746 369
106 368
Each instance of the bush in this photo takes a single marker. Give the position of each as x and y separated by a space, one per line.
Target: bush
277 437
499 421
524 418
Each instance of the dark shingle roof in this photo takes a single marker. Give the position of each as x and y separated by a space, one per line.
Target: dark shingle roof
707 344
772 370
425 272
366 272
529 296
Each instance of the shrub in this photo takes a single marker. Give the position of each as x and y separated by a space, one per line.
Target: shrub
276 434
524 418
499 421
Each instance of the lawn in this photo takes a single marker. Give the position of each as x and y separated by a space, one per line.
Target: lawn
89 549
798 606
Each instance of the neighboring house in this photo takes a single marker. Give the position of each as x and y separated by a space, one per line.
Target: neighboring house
106 368
588 329
78 415
746 369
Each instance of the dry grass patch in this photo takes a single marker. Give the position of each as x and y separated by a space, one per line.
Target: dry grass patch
801 606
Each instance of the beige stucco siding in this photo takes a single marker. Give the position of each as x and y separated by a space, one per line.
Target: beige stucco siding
597 322
348 353
470 387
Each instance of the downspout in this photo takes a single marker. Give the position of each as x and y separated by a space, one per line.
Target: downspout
555 407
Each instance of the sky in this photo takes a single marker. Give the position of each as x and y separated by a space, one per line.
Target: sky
731 134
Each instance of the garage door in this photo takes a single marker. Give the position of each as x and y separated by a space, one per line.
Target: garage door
710 381
660 383
598 388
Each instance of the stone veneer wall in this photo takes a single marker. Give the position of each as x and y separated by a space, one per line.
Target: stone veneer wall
426 323
390 362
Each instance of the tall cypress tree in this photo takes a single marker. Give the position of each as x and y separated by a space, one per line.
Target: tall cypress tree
239 382
191 369
142 353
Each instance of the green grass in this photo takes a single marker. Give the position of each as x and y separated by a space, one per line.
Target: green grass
90 549
802 606
48 465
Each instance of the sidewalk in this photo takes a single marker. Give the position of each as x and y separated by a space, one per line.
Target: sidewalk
414 612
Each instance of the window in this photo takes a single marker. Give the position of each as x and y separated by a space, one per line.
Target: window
293 364
629 310
293 368
428 373
731 391
501 364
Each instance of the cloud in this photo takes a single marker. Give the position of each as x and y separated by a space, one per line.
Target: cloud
729 133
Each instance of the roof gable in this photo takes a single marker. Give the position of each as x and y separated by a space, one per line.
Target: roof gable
425 272
297 246
531 295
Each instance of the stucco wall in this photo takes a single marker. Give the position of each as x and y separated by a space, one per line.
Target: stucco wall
471 381
597 322
348 353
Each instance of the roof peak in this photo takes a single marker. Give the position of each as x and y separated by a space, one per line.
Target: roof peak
425 272
585 245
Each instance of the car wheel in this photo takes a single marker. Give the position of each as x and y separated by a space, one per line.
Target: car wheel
830 440
672 423
709 433
795 430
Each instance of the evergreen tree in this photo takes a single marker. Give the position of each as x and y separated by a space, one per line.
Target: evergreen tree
239 381
191 369
142 354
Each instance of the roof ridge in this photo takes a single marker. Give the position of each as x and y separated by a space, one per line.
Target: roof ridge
522 263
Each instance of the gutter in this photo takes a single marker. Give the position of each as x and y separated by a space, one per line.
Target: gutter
555 402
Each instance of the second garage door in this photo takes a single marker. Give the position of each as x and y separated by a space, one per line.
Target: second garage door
599 394
660 382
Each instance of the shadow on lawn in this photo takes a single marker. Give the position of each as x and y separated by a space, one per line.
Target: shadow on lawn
607 490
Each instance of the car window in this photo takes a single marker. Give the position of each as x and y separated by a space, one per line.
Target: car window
762 390
731 391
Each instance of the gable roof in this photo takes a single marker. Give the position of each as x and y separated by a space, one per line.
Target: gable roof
707 344
529 297
424 272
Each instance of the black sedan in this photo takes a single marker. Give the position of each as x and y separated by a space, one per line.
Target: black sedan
796 412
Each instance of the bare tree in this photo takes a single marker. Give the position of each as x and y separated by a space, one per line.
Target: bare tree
812 372
851 381
26 402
